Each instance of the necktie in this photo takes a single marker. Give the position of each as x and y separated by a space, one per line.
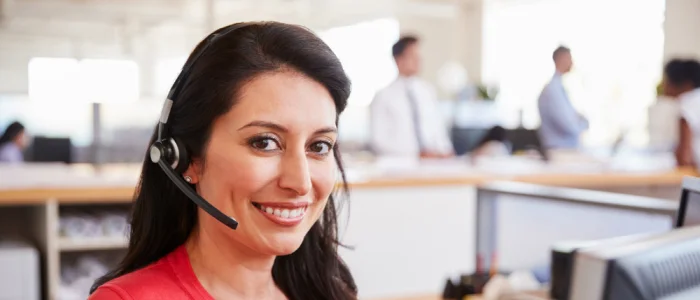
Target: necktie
416 117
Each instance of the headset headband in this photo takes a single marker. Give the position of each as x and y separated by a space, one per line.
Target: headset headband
179 83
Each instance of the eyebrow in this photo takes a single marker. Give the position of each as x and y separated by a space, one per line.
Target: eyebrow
281 128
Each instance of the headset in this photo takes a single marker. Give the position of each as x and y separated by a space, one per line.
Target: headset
170 153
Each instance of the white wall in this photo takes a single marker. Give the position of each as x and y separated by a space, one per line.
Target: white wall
682 29
443 39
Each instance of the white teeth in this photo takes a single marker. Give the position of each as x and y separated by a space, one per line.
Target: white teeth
284 213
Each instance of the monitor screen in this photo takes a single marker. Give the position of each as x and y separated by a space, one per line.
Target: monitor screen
661 266
45 149
691 215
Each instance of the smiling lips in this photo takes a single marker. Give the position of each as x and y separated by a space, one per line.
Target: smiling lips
283 213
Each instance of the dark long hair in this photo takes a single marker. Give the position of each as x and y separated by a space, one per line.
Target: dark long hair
11 132
163 217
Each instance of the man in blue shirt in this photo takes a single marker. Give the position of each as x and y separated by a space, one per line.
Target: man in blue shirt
561 123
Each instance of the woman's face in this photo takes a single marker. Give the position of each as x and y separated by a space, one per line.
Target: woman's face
21 140
269 163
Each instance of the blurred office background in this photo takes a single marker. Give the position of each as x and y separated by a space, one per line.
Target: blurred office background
88 79
58 57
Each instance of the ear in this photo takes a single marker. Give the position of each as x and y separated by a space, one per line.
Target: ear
194 170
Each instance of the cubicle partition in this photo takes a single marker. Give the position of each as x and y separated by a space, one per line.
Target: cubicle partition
408 240
517 223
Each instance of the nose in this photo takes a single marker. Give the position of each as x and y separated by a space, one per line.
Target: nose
295 175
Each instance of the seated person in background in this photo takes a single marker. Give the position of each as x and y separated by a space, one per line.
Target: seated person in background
682 81
12 143
561 125
405 120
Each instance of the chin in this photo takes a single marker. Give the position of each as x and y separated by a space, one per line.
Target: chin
284 244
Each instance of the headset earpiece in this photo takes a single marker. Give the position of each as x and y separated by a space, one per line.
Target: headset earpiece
181 157
173 152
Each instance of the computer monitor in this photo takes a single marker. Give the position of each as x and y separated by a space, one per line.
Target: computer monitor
689 208
522 139
663 266
46 149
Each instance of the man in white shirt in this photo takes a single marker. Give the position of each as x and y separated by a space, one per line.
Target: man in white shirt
405 119
682 81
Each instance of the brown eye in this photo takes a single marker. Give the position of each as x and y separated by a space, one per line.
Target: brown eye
264 144
321 148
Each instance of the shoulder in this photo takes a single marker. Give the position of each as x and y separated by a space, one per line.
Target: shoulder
551 89
10 153
554 83
383 95
690 99
156 281
7 147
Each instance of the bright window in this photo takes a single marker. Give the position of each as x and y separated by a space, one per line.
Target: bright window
617 47
108 81
61 90
166 71
83 81
364 49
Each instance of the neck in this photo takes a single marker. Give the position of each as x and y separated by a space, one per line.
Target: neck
229 270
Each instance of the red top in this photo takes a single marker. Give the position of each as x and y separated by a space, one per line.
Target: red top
170 278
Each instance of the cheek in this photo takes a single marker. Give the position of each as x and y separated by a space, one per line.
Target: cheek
323 178
237 177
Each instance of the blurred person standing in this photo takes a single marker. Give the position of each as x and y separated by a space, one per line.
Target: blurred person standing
682 81
405 119
561 125
12 143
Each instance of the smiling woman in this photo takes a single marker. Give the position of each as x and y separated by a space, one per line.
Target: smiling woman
258 116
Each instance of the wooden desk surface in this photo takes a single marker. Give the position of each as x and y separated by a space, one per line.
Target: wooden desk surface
30 183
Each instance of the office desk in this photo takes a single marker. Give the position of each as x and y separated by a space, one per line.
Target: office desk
398 214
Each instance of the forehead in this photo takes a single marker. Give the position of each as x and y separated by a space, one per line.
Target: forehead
288 98
413 48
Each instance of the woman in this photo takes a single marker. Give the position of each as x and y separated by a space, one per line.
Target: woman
12 143
258 115
682 81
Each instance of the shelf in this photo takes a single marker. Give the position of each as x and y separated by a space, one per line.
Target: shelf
86 244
